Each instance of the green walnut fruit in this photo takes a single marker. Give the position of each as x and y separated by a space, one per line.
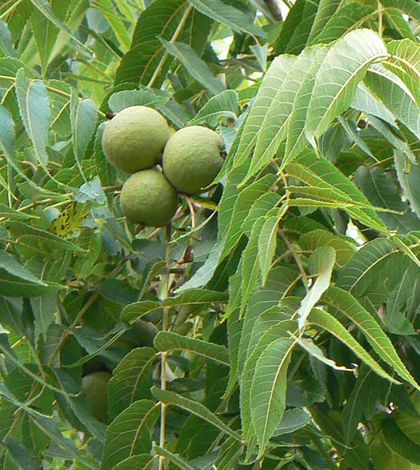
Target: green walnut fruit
95 390
93 365
145 332
192 159
134 138
148 198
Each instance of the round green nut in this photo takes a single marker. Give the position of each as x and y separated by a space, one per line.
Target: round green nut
192 159
134 138
95 390
145 331
148 198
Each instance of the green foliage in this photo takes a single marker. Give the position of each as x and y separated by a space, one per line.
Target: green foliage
273 322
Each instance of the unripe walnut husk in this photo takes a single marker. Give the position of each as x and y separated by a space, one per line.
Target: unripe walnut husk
192 159
148 198
134 139
95 390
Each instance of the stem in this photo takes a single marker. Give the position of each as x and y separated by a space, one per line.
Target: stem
296 257
163 354
9 10
193 214
177 32
380 18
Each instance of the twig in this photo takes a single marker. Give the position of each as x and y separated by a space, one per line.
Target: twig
158 69
296 258
193 214
165 324
380 18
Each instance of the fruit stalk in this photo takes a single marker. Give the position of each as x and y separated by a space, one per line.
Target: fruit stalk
165 325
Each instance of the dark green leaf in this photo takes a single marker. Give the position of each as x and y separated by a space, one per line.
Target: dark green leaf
129 433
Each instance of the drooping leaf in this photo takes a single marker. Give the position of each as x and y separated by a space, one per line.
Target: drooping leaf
399 442
249 377
186 297
268 391
408 177
293 419
352 309
7 134
273 80
274 125
196 67
326 321
45 8
179 461
345 19
267 243
228 15
44 308
342 69
404 62
6 45
129 433
322 261
131 380
381 191
223 105
240 208
194 407
296 139
393 93
144 461
316 352
83 121
205 273
116 21
35 112
296 28
250 267
326 182
362 270
168 341
19 454
362 401
385 458
160 20
364 100
126 98
344 248
45 31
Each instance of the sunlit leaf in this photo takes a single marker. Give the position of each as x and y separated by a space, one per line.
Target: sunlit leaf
228 15
342 69
322 262
35 112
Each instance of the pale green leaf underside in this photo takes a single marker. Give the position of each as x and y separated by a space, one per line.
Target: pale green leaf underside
268 392
342 69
